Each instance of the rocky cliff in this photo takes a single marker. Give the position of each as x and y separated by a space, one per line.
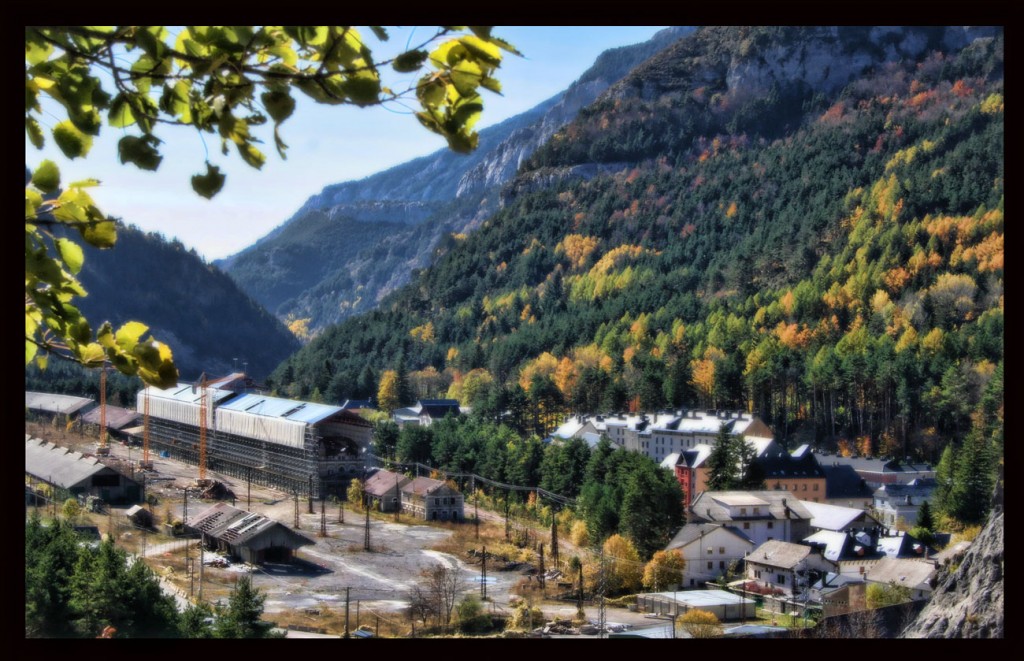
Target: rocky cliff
968 602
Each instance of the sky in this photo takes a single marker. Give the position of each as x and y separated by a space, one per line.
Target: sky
327 145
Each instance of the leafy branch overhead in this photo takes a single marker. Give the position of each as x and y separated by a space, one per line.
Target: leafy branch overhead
221 80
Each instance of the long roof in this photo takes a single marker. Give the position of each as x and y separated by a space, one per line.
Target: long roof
714 505
52 403
117 417
239 527
694 531
277 407
60 466
421 486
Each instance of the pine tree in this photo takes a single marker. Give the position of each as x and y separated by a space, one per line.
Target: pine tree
722 462
973 481
944 480
924 517
241 617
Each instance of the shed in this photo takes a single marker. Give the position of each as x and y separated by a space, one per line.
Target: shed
77 474
140 516
51 405
725 605
252 537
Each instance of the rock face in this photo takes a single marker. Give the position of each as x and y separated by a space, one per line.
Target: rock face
968 603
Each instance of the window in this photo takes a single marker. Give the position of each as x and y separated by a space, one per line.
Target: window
437 501
782 579
721 564
710 551
743 511
816 486
771 524
757 510
721 550
394 499
711 565
805 486
746 525
757 573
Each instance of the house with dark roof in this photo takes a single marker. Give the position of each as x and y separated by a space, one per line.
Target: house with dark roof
844 486
253 538
760 515
877 471
118 420
836 594
382 490
47 406
426 412
709 550
856 552
895 503
431 500
798 473
76 474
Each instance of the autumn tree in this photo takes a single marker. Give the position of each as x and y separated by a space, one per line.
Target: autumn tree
623 569
355 493
700 624
664 569
387 393
220 80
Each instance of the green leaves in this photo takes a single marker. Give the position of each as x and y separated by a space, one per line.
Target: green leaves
71 140
46 177
140 151
209 184
72 255
409 61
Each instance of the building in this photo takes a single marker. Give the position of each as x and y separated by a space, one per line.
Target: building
426 412
710 550
253 538
47 406
798 473
382 489
73 474
298 446
836 594
659 435
431 500
118 420
877 472
785 567
691 469
844 486
856 552
725 605
895 504
918 576
760 515
139 516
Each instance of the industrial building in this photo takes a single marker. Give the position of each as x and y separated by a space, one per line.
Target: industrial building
303 447
74 474
253 538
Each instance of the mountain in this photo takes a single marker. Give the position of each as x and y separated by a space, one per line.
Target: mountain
356 241
806 222
190 305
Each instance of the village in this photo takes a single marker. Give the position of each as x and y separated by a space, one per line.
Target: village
213 480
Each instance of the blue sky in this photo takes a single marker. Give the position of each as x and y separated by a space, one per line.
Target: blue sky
327 145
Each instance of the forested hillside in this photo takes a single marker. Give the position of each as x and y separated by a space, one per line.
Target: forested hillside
188 304
356 241
810 227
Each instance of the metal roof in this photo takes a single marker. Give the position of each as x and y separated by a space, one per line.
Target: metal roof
694 531
714 505
831 517
777 553
51 403
60 466
117 417
186 392
701 598
276 407
905 572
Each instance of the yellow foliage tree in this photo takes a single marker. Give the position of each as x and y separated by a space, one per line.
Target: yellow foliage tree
623 568
700 624
387 393
578 534
665 568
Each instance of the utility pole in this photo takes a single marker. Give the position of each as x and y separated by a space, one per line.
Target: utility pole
346 612
601 585
248 493
202 538
295 497
341 511
309 493
541 569
483 575
366 539
508 531
398 494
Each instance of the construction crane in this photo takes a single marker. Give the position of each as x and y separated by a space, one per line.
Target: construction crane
202 429
103 450
146 463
